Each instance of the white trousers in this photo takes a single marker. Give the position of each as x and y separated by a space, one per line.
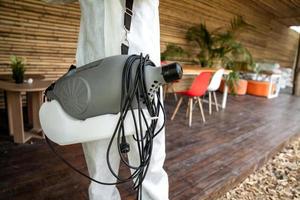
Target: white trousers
155 184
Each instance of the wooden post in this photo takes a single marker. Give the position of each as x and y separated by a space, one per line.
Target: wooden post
296 83
37 100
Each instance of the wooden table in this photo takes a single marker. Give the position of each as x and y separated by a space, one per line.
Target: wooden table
14 108
189 73
196 70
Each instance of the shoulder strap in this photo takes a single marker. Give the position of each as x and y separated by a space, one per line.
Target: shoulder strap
127 22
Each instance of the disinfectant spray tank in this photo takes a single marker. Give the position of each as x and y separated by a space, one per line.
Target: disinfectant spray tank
93 95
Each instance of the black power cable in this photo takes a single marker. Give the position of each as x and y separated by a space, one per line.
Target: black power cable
134 91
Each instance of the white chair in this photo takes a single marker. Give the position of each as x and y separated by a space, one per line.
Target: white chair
213 86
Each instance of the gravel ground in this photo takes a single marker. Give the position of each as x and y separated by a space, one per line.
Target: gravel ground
278 179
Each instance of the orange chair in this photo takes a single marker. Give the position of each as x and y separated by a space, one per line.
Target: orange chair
197 89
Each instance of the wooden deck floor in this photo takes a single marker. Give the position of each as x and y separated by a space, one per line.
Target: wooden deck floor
202 162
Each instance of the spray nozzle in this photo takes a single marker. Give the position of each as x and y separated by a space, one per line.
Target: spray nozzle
171 72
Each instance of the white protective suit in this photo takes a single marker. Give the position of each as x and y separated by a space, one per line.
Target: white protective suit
101 34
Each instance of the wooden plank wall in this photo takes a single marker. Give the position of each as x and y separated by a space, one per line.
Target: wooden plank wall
47 34
271 40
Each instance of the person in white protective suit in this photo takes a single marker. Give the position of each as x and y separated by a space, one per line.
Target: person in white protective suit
101 34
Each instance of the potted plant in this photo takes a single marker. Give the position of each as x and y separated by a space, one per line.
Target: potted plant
220 47
18 68
173 52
